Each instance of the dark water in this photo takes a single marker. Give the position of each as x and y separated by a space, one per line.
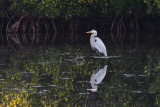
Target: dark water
69 76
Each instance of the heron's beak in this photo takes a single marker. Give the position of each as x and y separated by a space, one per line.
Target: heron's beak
88 32
91 89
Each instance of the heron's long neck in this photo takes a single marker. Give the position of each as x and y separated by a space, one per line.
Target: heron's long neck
92 40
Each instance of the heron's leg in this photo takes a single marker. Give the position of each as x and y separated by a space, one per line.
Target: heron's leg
97 51
98 58
98 62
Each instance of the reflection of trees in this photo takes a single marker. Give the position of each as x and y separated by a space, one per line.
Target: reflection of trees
136 88
25 41
152 70
44 78
133 80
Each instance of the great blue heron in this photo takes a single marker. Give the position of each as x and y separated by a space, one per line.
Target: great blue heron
96 43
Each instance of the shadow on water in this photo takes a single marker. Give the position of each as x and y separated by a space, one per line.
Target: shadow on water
59 75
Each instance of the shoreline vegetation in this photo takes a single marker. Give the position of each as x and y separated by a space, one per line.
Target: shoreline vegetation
67 16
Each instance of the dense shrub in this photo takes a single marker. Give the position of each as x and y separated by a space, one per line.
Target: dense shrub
85 8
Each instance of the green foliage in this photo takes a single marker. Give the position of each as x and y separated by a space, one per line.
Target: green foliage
123 7
85 8
152 7
59 8
41 8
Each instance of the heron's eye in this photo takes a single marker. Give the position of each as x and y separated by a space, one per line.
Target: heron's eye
93 30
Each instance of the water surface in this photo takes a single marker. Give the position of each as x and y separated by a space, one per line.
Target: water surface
64 75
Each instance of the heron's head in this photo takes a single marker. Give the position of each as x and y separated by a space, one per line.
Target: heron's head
93 89
92 31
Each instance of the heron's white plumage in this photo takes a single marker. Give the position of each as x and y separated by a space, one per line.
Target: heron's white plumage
96 43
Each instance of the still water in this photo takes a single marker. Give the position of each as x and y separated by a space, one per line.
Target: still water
70 76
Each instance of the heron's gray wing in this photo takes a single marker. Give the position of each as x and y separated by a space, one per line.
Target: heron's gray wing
100 74
99 45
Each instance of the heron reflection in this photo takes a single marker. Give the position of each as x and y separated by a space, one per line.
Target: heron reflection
97 77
